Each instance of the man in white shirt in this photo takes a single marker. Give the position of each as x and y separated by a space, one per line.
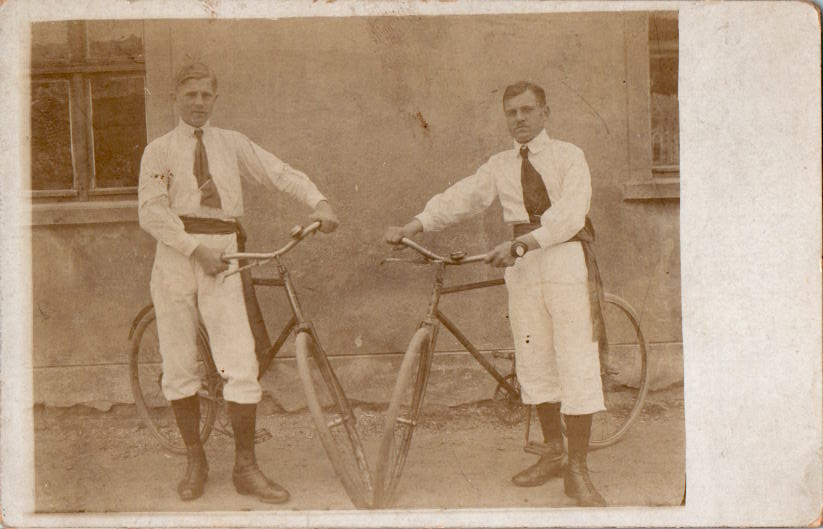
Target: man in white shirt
544 188
189 198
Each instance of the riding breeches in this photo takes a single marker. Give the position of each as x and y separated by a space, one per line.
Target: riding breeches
183 294
550 316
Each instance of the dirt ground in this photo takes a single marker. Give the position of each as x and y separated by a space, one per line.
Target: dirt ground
461 457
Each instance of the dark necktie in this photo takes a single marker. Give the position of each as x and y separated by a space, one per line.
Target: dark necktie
535 196
208 191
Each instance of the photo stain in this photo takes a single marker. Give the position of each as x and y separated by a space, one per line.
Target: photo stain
423 122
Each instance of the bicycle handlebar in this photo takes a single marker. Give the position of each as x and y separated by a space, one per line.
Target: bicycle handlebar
298 233
455 258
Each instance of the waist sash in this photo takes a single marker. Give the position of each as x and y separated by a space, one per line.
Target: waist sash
210 226
596 298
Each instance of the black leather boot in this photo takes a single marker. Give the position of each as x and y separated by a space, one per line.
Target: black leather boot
247 477
576 483
187 415
550 464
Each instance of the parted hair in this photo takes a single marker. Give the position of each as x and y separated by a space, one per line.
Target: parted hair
195 70
521 86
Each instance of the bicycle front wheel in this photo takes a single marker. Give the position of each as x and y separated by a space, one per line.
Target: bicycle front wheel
336 425
624 373
402 415
146 377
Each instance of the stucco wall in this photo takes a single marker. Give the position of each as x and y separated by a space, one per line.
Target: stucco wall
381 113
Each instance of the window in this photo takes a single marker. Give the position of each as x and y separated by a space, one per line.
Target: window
663 63
88 112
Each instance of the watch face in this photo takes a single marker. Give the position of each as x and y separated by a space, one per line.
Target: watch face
519 249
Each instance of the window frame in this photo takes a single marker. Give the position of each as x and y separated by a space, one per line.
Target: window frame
78 72
645 181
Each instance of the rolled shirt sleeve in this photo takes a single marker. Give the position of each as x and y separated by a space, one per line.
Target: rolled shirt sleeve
262 167
461 201
567 214
153 211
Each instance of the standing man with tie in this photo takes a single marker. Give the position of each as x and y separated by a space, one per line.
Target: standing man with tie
544 187
189 199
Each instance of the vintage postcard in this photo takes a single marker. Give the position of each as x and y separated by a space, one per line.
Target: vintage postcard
411 264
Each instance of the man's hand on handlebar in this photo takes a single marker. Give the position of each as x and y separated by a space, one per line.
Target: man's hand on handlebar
500 256
393 234
210 260
324 214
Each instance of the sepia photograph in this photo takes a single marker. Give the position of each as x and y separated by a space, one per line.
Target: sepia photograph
346 264
482 303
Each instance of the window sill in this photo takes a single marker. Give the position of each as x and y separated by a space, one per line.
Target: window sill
97 212
667 188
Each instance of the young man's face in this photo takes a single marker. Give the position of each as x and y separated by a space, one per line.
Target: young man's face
195 101
525 116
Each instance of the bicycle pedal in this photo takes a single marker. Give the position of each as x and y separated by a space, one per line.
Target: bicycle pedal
261 435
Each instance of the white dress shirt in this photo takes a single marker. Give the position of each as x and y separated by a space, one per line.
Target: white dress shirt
565 173
168 187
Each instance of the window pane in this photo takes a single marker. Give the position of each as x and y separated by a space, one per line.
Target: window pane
663 26
51 164
665 130
49 43
663 76
119 128
115 40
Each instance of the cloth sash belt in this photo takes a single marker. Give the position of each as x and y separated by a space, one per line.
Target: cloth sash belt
224 227
212 227
596 296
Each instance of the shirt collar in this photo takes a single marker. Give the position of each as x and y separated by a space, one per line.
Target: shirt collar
537 144
187 130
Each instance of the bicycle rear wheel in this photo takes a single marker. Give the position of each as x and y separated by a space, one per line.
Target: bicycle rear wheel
146 376
623 373
402 414
336 425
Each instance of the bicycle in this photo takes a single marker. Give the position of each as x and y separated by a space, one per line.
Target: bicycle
342 445
624 377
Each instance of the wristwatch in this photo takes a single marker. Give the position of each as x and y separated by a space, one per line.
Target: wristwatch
519 248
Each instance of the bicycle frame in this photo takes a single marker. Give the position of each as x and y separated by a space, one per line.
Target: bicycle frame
297 324
434 313
357 485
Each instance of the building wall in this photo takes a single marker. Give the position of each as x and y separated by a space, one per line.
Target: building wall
381 113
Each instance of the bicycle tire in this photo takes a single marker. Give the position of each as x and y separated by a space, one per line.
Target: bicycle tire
397 433
625 376
345 452
145 376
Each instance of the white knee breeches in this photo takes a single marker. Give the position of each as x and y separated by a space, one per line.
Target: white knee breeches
179 287
552 329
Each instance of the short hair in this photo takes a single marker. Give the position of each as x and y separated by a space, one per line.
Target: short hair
520 87
195 70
